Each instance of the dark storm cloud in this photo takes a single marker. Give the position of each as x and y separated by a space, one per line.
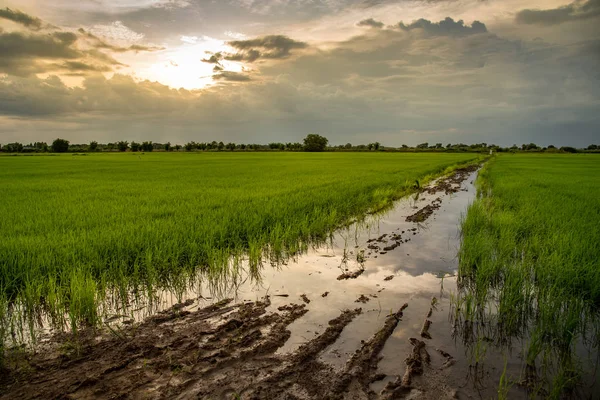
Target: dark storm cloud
19 17
447 27
578 10
272 47
231 76
16 46
370 22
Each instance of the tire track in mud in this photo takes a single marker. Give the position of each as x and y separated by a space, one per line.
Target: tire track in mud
221 351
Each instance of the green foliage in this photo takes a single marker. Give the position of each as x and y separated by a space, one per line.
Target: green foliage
147 146
93 146
314 142
135 146
123 145
60 146
15 147
72 238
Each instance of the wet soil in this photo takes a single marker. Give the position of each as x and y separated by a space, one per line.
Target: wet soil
378 330
220 351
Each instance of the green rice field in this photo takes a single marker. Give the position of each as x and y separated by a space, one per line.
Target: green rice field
80 230
530 264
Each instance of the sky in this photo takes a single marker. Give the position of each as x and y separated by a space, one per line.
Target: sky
258 71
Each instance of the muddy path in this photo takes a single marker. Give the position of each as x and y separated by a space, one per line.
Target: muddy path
221 351
364 318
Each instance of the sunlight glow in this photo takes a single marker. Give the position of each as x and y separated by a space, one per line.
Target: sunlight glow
182 66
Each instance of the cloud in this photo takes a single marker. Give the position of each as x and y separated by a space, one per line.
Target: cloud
213 59
231 76
271 47
78 66
27 53
101 44
370 22
446 27
23 45
576 11
19 17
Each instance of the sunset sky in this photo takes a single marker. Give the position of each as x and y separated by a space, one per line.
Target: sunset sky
257 71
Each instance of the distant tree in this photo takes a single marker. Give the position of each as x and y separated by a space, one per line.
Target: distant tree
530 146
60 146
592 147
93 146
568 149
404 146
168 146
438 146
230 146
449 145
177 147
423 145
314 142
275 146
123 145
15 147
110 146
551 146
147 146
348 146
221 146
40 146
135 146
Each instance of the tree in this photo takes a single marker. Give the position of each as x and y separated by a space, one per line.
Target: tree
314 142
93 145
60 146
592 147
168 146
423 145
348 146
123 145
221 146
135 146
230 146
147 146
568 149
15 147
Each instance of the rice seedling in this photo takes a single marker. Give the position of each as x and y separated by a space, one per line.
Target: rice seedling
83 233
529 261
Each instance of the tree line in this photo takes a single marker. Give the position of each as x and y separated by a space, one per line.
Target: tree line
312 143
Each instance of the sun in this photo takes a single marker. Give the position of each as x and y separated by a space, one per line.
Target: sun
182 66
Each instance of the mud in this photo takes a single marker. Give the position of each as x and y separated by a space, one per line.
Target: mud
447 185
